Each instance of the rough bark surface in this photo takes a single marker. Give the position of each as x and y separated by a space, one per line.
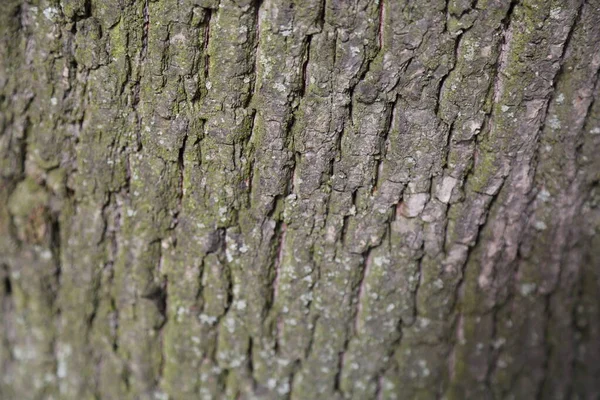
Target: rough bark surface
307 199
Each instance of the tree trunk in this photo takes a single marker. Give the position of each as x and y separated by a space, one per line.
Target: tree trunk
300 199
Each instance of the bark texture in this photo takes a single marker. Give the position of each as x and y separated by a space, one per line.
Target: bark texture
307 199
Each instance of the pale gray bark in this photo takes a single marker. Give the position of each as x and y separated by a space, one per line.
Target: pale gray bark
308 199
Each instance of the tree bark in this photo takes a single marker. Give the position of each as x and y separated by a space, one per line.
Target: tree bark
307 199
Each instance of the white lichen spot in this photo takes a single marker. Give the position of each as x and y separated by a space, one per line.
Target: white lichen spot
543 195
424 370
560 98
554 122
241 305
237 362
390 308
379 261
413 278
50 13
555 13
438 284
470 53
527 288
161 395
207 319
230 325
280 87
181 312
387 385
540 225
46 255
208 85
180 37
284 388
306 298
64 351
54 101
504 108
595 131
271 383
